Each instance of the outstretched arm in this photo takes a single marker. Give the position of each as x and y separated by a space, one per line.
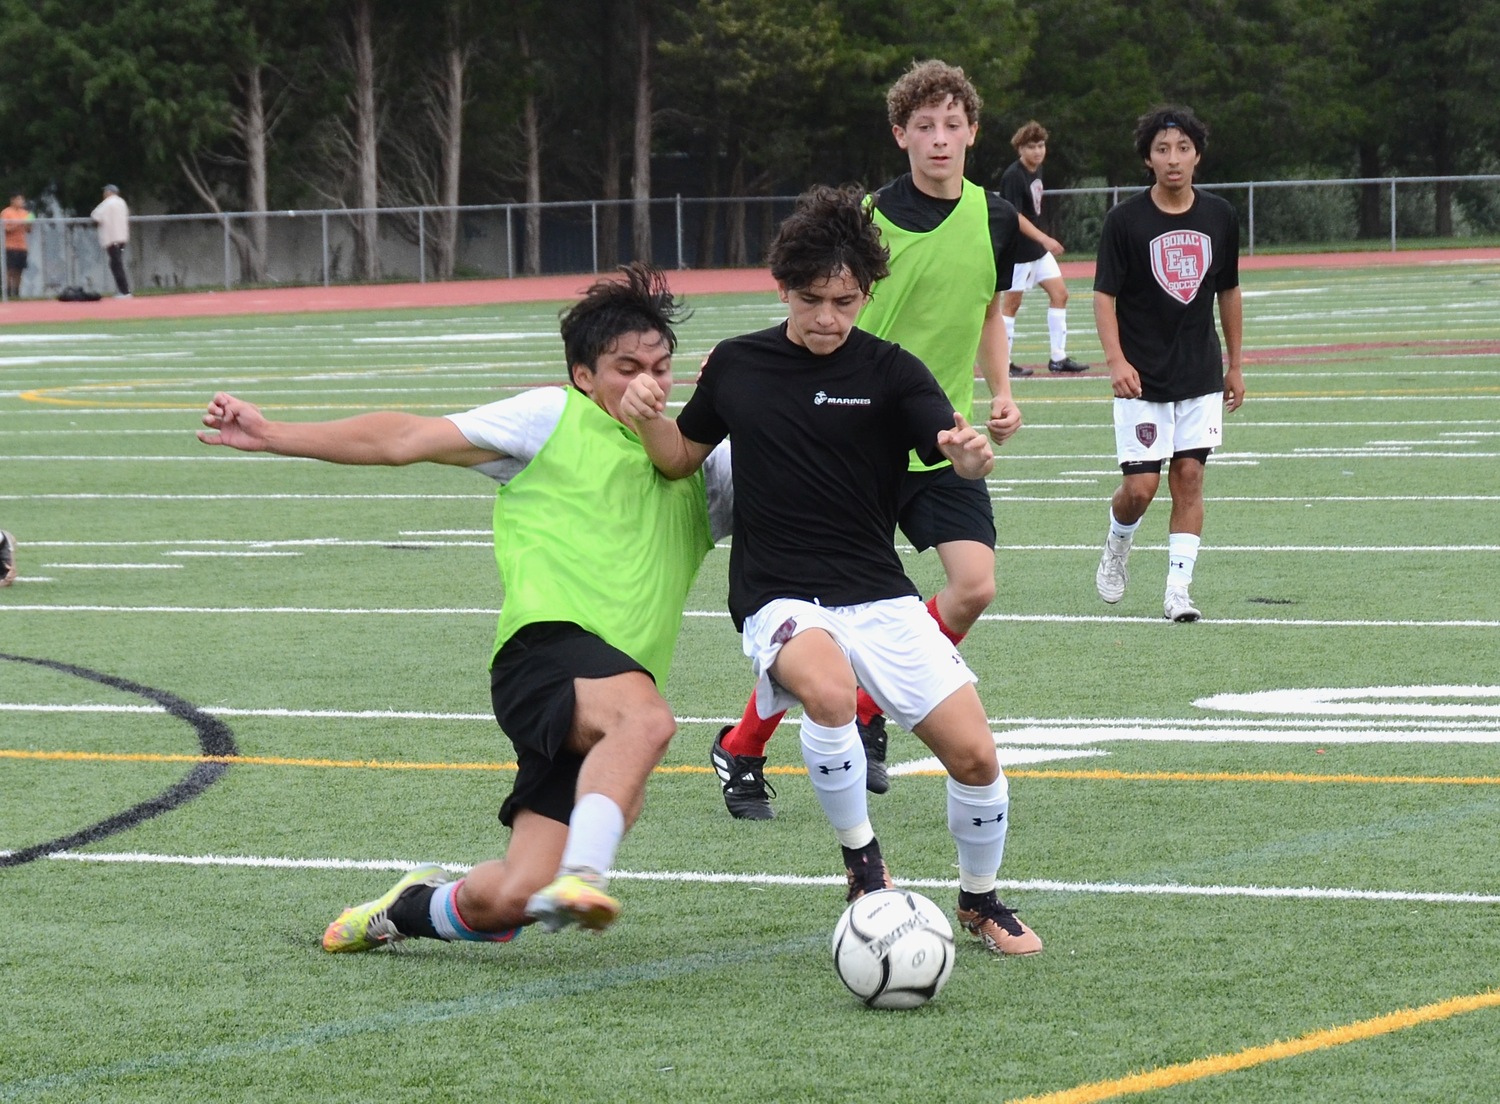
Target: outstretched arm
643 407
966 448
386 437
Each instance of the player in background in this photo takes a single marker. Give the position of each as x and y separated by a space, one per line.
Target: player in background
7 559
596 553
1165 255
1021 185
952 246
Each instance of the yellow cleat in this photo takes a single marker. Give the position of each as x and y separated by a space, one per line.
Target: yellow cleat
365 927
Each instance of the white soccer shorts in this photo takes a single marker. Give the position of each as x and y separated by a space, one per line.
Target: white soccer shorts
899 655
1156 431
1024 277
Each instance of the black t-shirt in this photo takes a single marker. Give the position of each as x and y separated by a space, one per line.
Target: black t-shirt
820 450
1023 190
912 209
1164 271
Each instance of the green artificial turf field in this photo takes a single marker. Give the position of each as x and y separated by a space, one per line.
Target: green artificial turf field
1261 849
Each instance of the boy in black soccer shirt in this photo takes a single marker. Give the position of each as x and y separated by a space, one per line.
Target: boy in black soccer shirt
1164 256
823 416
1036 260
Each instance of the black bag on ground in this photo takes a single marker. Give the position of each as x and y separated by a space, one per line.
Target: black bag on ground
77 295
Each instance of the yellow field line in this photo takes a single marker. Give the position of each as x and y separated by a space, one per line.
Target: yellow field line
1184 1072
1071 775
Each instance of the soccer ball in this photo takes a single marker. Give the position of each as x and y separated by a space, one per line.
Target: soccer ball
893 949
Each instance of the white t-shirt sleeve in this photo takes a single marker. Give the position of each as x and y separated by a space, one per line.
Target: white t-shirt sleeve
517 427
718 486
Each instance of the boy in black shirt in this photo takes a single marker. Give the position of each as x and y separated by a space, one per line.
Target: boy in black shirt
1164 256
823 416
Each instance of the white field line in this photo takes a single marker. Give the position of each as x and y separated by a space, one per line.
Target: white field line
429 537
714 878
487 611
1017 618
489 495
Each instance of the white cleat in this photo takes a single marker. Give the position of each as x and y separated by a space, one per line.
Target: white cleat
1113 573
1178 606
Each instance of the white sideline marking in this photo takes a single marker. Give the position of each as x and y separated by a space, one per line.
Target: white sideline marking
1027 618
712 878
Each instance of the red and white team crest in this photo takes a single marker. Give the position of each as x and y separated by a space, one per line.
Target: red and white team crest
1145 433
1180 261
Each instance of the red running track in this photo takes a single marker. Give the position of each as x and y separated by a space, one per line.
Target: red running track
530 289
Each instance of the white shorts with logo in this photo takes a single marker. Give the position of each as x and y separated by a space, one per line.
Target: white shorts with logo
899 655
1029 274
1157 431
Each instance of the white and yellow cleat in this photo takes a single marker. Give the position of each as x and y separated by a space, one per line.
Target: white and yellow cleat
577 898
367 926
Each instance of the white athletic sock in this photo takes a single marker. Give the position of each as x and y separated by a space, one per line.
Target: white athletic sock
594 833
835 760
1120 531
1182 554
1057 331
442 911
1010 332
977 818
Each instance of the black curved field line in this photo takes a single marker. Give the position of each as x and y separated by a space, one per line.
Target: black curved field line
214 738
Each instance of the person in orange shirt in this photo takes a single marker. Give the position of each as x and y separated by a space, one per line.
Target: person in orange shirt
17 229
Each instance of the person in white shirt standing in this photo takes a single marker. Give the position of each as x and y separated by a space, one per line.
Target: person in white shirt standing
113 218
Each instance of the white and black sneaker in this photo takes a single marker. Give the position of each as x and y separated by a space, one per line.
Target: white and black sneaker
1177 606
747 794
1113 571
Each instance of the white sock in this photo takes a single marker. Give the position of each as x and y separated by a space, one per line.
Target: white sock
835 760
1057 331
594 833
1182 554
1123 532
1010 331
442 911
977 818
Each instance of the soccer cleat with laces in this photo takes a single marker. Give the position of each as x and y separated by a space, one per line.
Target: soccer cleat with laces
873 736
1113 573
576 898
367 926
997 927
1177 606
7 559
1066 364
1017 372
747 794
866 872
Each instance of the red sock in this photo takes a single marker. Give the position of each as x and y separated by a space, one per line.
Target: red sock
752 734
956 637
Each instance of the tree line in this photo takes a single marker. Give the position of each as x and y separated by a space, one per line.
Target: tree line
258 105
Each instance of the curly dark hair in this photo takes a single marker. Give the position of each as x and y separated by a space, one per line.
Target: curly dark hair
830 231
610 308
929 84
1169 117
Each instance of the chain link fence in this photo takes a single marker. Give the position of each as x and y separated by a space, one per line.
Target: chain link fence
341 246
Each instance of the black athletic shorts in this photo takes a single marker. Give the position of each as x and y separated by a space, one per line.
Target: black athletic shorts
15 259
531 688
940 505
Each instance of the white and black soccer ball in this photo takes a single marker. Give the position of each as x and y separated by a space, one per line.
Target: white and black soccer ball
893 949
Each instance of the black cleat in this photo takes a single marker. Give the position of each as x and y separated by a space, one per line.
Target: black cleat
1017 372
866 870
1066 364
873 736
747 794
